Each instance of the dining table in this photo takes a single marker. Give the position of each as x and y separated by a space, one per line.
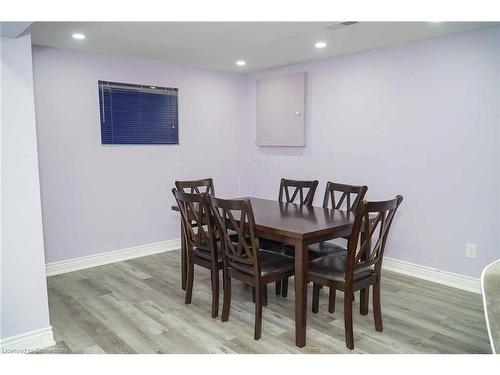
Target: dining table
298 226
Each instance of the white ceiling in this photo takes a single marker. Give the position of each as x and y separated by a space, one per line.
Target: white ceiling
13 29
217 45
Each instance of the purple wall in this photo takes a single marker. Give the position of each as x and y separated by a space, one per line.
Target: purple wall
99 198
421 120
23 293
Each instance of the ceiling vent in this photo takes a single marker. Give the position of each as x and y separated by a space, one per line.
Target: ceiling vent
348 23
338 25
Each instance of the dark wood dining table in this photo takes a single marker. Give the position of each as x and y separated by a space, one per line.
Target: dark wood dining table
298 226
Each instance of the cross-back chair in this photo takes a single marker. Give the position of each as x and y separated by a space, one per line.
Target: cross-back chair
201 241
343 196
294 191
290 191
205 185
339 197
242 258
359 267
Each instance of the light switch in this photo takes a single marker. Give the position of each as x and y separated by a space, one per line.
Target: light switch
470 250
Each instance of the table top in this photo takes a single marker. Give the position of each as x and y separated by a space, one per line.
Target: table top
297 221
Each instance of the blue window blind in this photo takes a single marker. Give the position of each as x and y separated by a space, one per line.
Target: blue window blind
138 114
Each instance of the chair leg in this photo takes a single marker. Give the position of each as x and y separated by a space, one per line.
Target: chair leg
331 300
183 260
189 281
363 301
377 311
349 334
253 294
284 287
278 287
315 302
226 306
258 313
215 293
264 295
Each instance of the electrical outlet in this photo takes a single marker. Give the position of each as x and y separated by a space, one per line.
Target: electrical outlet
470 250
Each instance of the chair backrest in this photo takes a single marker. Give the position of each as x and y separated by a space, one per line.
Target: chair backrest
197 221
490 280
237 216
292 189
370 229
343 196
205 185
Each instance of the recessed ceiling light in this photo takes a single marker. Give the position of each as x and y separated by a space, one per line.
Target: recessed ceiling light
78 36
320 44
240 62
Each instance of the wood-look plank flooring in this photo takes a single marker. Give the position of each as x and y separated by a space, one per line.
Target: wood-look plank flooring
137 306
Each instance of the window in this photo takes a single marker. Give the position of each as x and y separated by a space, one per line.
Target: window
138 114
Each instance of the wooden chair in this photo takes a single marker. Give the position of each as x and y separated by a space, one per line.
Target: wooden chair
205 185
340 197
291 191
490 291
357 269
243 259
201 242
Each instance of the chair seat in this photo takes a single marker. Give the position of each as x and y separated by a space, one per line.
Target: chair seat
271 264
270 245
316 250
324 248
206 255
332 267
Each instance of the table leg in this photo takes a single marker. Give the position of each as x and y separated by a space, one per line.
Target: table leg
183 259
301 250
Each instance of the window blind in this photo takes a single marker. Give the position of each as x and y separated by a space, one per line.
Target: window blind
138 114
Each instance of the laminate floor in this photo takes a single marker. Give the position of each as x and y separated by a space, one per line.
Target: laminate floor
137 306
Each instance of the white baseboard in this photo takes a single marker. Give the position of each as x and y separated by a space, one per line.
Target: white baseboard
100 259
28 342
455 280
